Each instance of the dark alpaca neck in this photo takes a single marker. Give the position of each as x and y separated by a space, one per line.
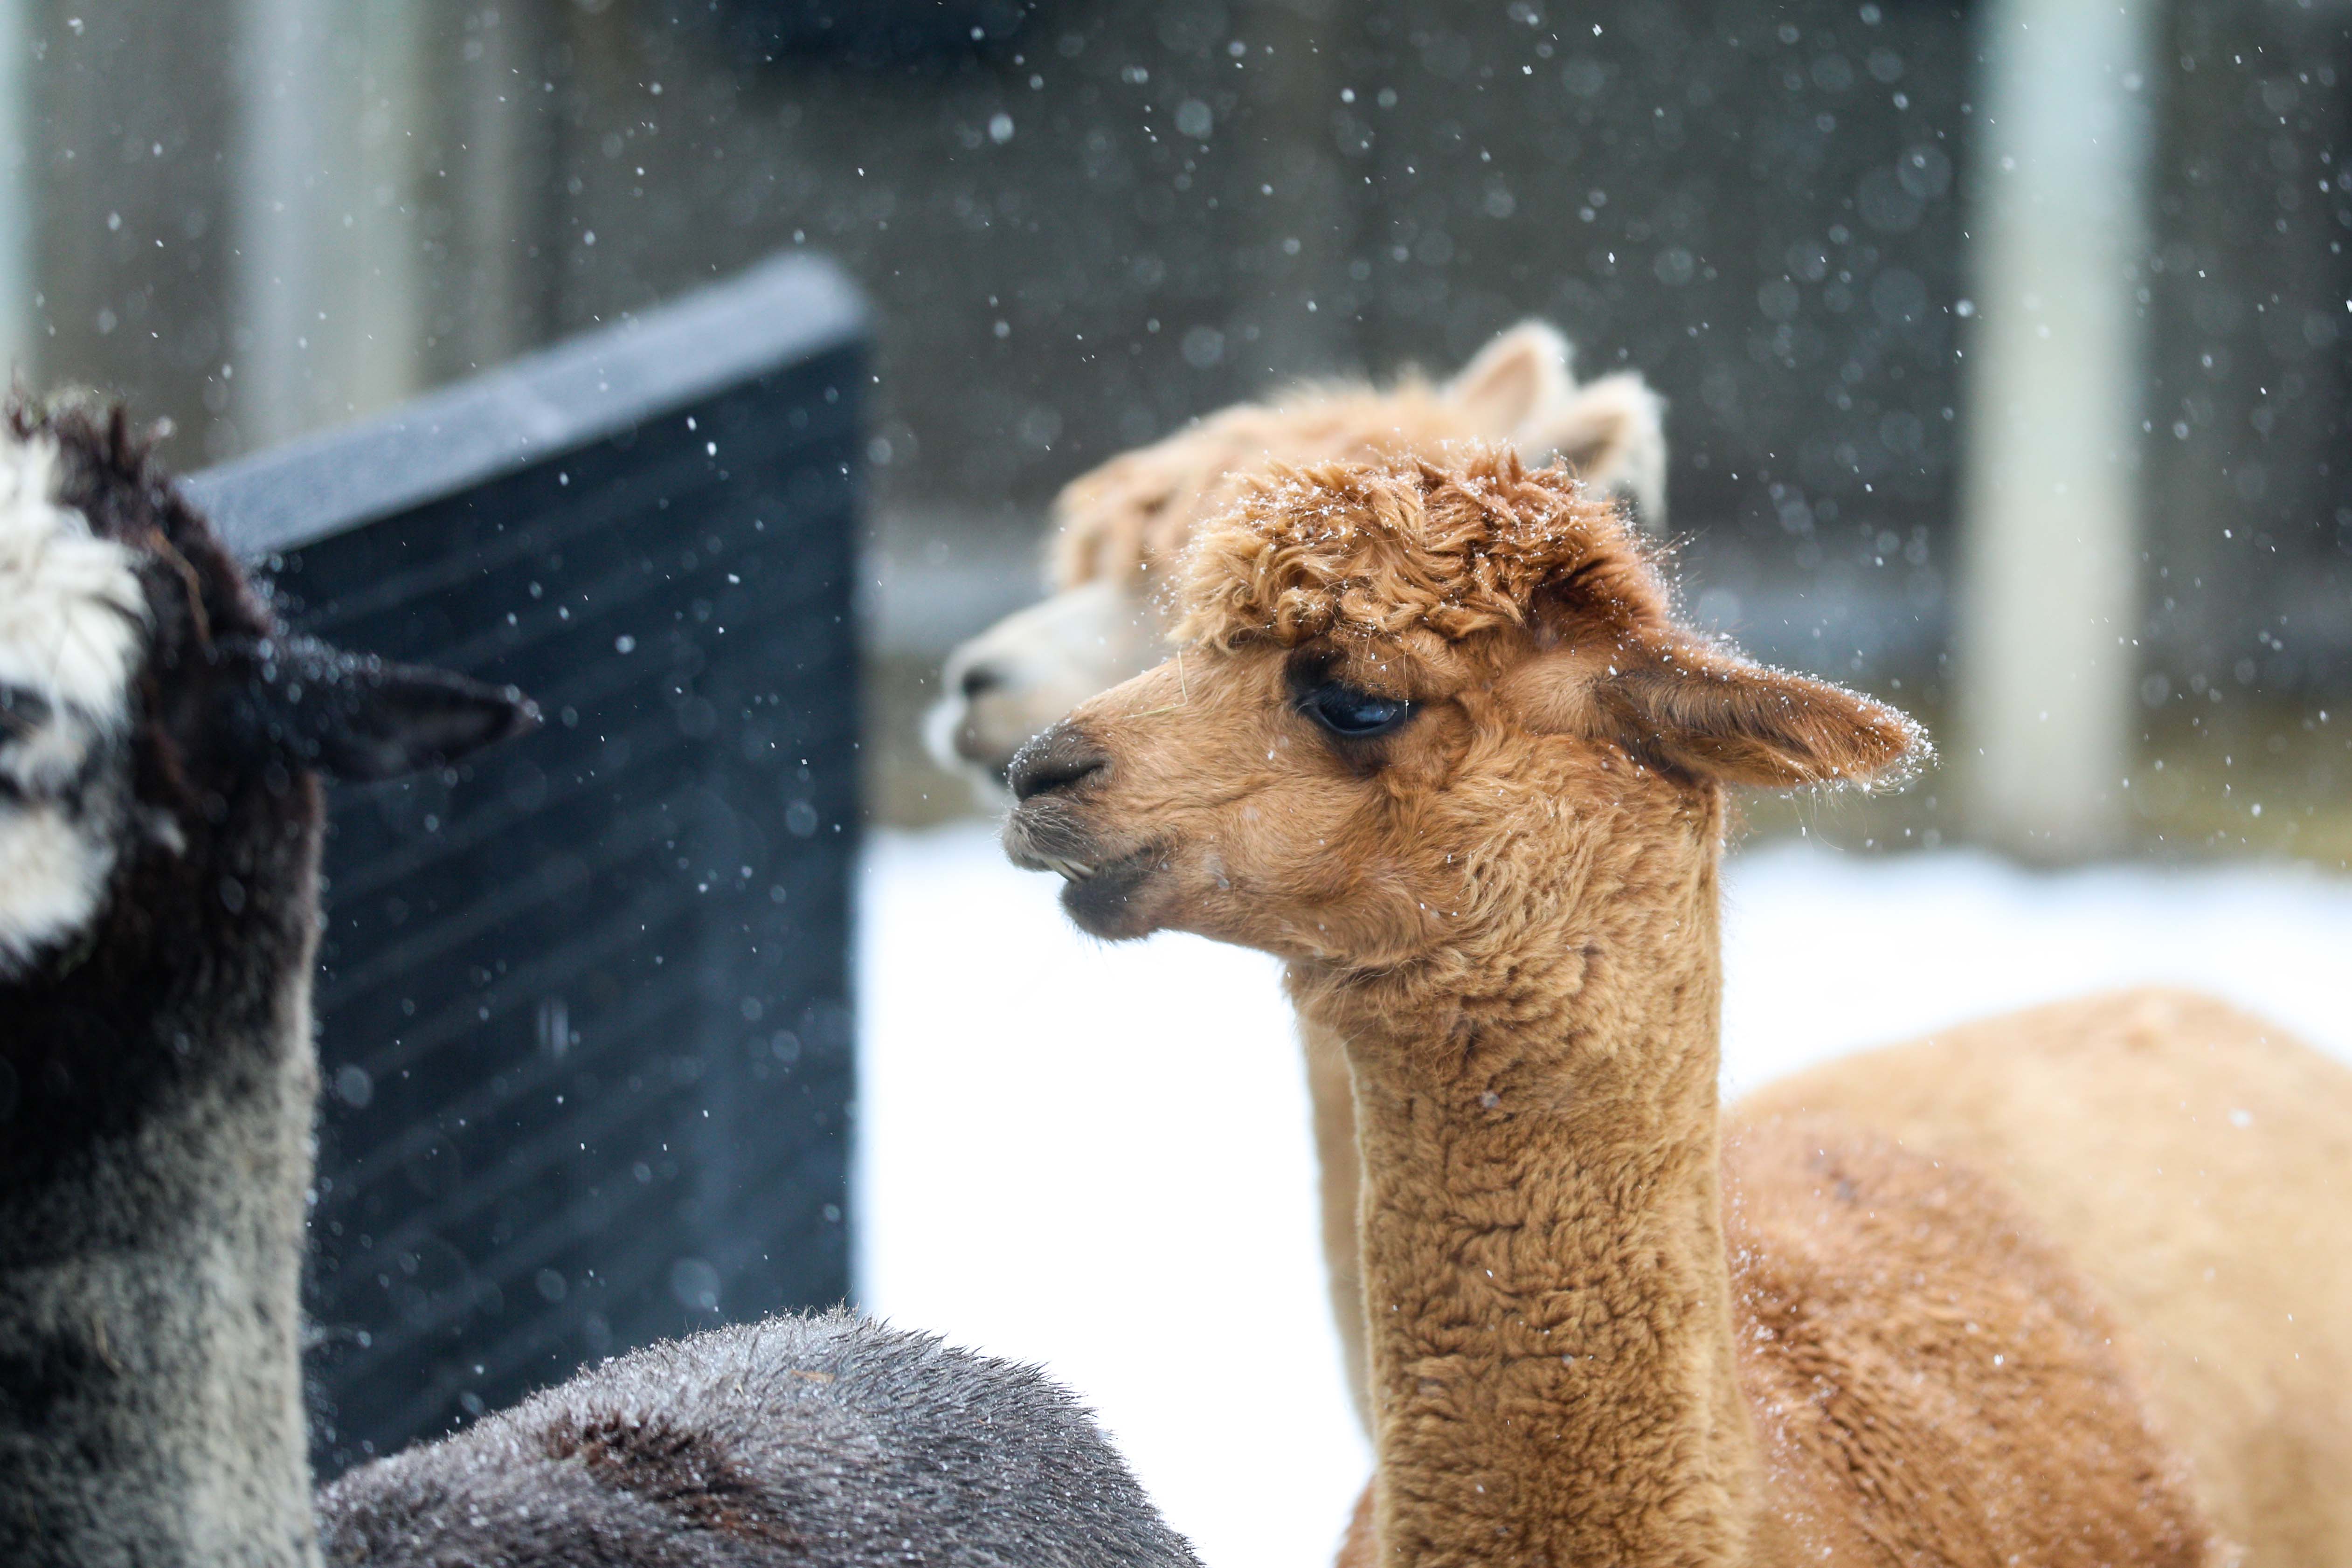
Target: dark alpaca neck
152 1180
160 822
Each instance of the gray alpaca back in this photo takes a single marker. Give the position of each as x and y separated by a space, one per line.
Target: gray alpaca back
827 1441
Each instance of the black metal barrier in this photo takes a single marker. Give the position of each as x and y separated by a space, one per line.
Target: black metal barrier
584 1005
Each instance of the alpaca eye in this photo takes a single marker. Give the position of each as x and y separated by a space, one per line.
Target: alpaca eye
1355 715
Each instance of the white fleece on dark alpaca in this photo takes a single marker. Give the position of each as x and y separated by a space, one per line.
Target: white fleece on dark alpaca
71 621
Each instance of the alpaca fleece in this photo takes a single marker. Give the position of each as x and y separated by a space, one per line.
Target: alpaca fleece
1123 529
2195 1163
1600 1331
824 1441
157 1083
1135 513
160 816
156 1078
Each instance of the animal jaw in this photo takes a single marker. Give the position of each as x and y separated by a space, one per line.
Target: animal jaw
1514 629
1106 888
1125 526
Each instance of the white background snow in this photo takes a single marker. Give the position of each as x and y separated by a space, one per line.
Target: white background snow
1096 1157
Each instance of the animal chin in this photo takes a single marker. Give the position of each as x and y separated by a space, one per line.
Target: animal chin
1106 899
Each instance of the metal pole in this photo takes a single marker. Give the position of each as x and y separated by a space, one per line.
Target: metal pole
16 188
327 326
2050 506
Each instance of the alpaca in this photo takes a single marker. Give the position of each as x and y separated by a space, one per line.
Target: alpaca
1122 527
820 1442
1122 524
161 744
160 810
1437 741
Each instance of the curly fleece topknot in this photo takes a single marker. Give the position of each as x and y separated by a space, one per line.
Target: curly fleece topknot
1382 548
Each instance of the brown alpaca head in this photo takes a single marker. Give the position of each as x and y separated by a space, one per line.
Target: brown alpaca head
1125 526
1410 696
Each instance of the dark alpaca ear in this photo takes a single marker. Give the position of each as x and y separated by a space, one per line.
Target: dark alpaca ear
362 718
1704 711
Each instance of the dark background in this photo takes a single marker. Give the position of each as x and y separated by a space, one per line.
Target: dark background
1095 221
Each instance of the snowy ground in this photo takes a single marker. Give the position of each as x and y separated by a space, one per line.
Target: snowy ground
1096 1157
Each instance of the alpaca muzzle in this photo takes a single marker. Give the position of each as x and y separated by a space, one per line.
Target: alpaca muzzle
1059 761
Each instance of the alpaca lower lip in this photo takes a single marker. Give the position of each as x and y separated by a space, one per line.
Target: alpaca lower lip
1040 842
1106 902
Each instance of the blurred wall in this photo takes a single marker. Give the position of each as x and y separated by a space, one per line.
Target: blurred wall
1095 221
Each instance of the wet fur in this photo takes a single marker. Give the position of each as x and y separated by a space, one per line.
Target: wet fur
156 1152
820 1442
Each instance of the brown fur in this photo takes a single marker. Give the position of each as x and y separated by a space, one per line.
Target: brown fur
1123 527
1136 514
1595 1336
2196 1164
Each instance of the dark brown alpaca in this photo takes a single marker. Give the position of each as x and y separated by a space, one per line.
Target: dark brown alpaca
160 812
161 746
1438 741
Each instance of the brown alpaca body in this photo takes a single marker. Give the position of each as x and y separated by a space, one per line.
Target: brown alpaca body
2147 1136
1438 744
1608 1325
2196 1165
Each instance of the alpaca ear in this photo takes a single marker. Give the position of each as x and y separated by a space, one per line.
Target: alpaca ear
1699 710
1612 432
362 719
1512 381
1707 712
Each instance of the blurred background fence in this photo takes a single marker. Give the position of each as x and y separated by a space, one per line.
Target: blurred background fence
2065 281
584 1024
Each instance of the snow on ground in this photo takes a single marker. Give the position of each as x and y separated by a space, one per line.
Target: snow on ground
1096 1157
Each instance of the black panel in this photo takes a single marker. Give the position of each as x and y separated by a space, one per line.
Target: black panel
584 1003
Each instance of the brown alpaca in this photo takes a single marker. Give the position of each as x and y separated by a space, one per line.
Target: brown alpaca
1436 740
1123 527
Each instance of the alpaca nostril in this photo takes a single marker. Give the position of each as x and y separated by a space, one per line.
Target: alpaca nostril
1054 760
979 681
1057 773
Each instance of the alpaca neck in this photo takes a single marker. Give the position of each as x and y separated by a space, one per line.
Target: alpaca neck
1544 1269
150 1232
